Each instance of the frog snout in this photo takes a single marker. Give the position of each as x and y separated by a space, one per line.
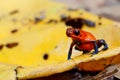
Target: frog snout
69 32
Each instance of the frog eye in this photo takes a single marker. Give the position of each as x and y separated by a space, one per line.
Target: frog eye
76 32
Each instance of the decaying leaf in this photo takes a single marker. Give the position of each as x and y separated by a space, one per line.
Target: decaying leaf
34 37
107 73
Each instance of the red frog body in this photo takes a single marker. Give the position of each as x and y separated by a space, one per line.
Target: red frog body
84 41
84 37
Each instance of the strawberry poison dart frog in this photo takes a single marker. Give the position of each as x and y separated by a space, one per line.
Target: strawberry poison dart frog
84 41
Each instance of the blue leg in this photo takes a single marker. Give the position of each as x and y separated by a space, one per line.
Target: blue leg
95 48
69 54
70 51
105 47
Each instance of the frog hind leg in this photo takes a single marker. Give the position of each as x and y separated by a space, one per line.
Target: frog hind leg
95 48
103 42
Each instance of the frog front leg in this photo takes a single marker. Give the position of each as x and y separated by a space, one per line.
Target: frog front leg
98 44
70 51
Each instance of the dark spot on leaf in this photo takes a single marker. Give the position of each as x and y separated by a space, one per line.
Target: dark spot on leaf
40 18
14 31
99 17
14 12
56 47
1 47
11 45
79 22
89 23
45 56
52 20
64 17
37 20
75 23
99 23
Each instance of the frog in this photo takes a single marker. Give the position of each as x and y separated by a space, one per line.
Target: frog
84 41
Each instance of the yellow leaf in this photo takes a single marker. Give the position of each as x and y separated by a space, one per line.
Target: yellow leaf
41 47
